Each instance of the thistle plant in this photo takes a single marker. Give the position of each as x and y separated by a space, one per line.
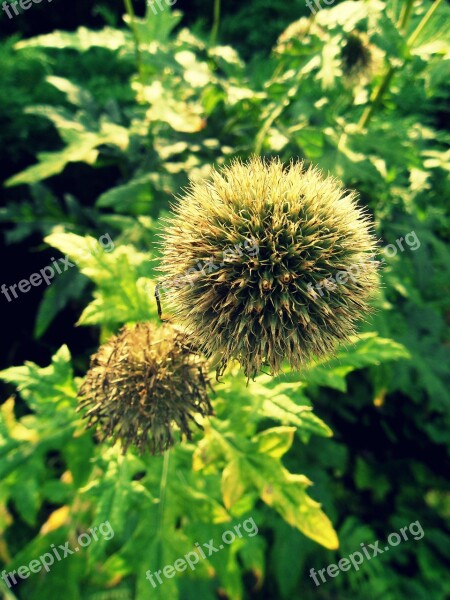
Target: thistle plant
142 384
275 306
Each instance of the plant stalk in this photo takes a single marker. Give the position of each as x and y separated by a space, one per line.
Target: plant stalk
385 83
132 16
423 23
405 15
163 487
216 22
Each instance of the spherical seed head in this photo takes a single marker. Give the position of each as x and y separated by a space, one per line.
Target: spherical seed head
144 382
247 255
360 59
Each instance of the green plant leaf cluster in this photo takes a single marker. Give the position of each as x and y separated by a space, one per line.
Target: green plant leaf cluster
102 128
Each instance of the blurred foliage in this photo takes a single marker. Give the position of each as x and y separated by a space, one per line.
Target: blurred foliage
101 128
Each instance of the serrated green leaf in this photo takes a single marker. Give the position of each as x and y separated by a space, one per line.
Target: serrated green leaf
82 146
281 408
232 483
275 442
286 493
133 198
56 298
44 388
124 293
366 350
81 40
155 27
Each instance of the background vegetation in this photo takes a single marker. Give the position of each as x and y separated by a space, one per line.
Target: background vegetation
103 119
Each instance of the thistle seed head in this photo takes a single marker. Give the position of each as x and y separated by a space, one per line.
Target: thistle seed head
286 232
360 59
142 383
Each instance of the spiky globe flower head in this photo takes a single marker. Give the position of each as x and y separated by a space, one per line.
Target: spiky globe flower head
143 383
360 59
265 264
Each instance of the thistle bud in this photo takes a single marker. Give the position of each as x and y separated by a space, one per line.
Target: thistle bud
142 384
360 58
271 308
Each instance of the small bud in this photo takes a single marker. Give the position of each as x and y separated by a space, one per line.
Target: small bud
266 285
286 278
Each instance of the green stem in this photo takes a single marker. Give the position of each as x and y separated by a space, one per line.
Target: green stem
163 487
216 22
405 15
134 30
423 23
162 502
7 594
384 86
385 83
275 114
